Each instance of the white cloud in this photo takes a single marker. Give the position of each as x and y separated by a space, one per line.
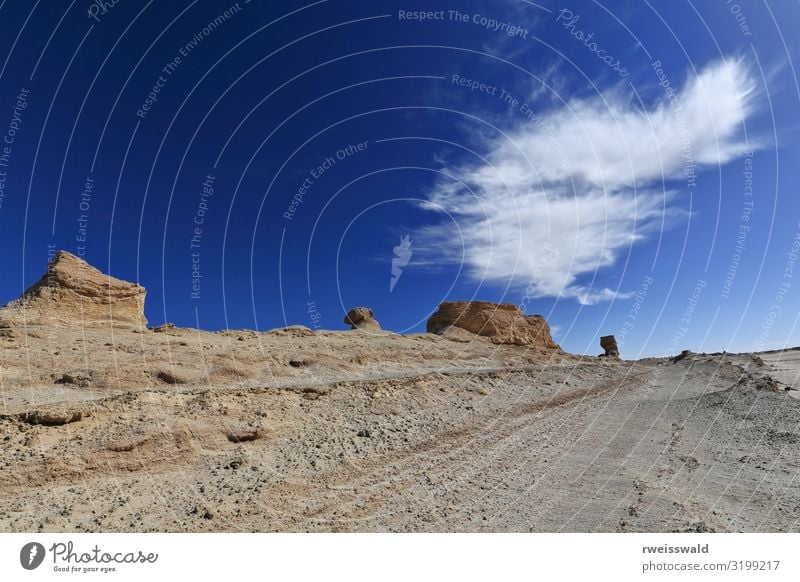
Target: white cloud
564 194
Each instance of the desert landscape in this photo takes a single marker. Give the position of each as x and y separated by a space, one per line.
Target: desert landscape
481 424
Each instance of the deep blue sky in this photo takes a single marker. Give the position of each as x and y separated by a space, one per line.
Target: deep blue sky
277 88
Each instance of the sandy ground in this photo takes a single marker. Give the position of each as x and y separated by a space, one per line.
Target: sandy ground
357 431
784 366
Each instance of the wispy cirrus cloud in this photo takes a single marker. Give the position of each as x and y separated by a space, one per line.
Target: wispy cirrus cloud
562 195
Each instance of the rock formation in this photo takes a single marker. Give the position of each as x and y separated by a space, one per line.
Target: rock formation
72 293
609 344
362 318
502 323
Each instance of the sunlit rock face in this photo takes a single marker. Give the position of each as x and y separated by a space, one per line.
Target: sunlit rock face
503 323
72 293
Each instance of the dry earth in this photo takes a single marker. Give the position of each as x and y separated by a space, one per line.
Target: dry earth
136 429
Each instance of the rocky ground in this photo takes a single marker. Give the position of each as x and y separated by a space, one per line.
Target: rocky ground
169 429
404 433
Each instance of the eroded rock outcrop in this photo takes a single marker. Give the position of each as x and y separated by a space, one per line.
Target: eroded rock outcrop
72 293
502 323
362 318
609 344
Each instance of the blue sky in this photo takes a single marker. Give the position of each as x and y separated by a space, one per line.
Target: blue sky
628 170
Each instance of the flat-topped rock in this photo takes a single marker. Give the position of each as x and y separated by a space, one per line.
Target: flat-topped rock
502 323
609 344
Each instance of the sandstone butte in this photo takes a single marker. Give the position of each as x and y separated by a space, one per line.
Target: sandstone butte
502 323
72 293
